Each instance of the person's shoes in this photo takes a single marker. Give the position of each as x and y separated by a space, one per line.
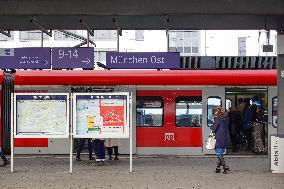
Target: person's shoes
226 169
218 170
5 163
116 158
110 158
78 159
91 158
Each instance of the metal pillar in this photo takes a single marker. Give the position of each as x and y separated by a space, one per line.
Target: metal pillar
280 54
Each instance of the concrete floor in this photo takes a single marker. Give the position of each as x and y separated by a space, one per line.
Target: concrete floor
149 172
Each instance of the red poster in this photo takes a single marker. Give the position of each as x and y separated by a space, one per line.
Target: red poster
112 115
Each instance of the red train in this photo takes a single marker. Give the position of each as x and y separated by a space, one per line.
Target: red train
172 109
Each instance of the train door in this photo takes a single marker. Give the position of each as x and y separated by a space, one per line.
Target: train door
257 140
212 97
169 122
272 113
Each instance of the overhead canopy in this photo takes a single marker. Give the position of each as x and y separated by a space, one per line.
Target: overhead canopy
142 14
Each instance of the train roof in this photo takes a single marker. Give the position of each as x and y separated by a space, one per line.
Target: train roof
146 77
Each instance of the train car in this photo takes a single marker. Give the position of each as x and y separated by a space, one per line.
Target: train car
172 109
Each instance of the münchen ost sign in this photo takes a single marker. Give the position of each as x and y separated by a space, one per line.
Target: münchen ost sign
143 60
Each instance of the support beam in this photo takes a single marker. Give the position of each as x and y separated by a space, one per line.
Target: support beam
34 22
76 36
7 33
81 44
91 32
119 30
280 54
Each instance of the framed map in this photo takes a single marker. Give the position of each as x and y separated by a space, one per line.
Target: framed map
101 115
41 115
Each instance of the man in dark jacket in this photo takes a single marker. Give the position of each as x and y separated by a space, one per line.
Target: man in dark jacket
247 122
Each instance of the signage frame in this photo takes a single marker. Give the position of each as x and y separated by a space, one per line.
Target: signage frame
142 60
93 135
29 57
68 60
42 135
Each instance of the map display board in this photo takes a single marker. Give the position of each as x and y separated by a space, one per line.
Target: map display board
101 115
41 115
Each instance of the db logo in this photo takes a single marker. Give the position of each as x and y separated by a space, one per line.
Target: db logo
282 73
169 136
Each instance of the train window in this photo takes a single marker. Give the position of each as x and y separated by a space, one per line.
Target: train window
274 111
189 111
149 111
212 104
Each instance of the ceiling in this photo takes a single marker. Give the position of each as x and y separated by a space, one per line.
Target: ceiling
141 14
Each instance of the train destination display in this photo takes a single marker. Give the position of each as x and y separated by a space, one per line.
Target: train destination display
101 115
41 115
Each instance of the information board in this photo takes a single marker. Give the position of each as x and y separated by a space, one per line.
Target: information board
101 115
41 115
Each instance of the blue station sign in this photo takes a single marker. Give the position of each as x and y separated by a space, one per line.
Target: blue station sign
143 60
65 57
25 58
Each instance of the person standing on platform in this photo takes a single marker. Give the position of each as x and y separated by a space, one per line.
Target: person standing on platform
220 128
257 123
80 147
234 126
5 160
247 122
99 147
112 145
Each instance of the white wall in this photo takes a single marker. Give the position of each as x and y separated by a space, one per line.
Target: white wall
225 43
213 42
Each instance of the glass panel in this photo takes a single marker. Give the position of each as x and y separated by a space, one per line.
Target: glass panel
179 43
102 56
194 49
179 34
187 34
189 111
172 49
212 104
274 111
172 43
139 35
149 112
187 49
180 49
172 35
32 35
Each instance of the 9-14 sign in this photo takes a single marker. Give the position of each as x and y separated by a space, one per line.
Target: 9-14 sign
65 57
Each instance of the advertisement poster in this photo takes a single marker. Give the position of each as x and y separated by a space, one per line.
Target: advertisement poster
101 115
41 115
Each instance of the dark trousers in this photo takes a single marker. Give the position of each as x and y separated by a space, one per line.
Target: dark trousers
3 157
111 149
247 133
99 147
81 145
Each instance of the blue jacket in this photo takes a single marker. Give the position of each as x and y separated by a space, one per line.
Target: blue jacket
220 128
247 118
